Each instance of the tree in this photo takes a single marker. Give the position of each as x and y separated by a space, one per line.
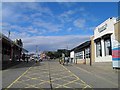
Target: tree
50 54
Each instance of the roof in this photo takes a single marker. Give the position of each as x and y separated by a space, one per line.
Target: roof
81 46
12 42
5 37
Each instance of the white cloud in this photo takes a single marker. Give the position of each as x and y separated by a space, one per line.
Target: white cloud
66 16
19 31
53 42
66 4
11 13
39 26
50 27
69 29
48 42
80 23
69 12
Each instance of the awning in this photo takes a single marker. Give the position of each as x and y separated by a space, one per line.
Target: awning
24 50
102 37
82 46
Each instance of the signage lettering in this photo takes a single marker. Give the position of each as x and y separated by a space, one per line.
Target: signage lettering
102 28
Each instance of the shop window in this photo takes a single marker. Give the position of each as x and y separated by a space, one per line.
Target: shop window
98 49
79 55
108 50
87 52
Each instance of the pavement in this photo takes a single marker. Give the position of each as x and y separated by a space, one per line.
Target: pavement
52 75
99 75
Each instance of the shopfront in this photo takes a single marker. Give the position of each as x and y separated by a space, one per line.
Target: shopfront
103 35
81 53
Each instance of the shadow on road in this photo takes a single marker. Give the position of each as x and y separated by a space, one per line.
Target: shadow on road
22 65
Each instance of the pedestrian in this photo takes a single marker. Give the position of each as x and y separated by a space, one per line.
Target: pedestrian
27 58
23 57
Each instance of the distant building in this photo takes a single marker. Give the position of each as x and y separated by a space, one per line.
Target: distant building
43 55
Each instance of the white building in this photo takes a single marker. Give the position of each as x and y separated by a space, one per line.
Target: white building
103 36
72 54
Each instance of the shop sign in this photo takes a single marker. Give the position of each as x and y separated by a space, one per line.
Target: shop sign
102 28
115 53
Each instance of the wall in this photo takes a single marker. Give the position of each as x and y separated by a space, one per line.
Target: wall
116 46
117 31
72 54
110 28
92 49
80 61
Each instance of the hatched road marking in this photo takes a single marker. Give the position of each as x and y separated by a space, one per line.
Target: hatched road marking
37 77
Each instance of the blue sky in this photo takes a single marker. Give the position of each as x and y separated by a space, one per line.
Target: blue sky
54 25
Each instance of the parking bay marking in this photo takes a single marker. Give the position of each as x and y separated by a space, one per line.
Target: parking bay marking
19 77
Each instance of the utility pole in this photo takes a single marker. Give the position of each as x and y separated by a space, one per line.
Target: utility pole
36 50
67 51
9 34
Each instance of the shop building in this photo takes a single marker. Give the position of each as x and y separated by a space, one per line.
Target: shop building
103 40
81 53
9 51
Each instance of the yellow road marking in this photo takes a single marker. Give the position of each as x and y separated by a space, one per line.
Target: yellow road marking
60 73
62 85
60 78
97 76
66 86
22 80
70 82
44 82
19 77
30 78
70 71
76 76
33 78
29 86
59 85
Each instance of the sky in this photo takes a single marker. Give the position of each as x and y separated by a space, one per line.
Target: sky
54 25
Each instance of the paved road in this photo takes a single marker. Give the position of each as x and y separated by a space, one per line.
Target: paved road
51 74
11 74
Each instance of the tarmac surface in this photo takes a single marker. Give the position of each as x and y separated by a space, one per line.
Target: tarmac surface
51 75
